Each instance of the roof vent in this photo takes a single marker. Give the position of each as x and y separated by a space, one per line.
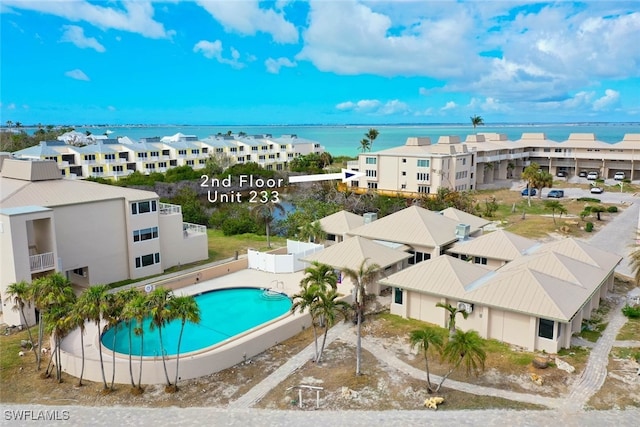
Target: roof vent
369 217
462 231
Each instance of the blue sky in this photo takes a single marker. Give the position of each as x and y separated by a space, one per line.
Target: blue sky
318 62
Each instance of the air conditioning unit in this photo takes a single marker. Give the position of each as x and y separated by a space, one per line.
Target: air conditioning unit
149 288
466 307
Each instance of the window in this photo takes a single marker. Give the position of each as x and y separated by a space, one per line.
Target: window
118 168
97 169
205 150
283 147
202 161
355 183
372 173
162 164
111 156
234 149
398 296
404 160
182 152
220 150
190 163
142 155
54 158
404 173
145 234
372 185
195 151
418 257
423 163
403 186
464 161
155 153
89 157
144 207
147 260
254 149
545 328
421 176
371 160
151 166
480 260
424 189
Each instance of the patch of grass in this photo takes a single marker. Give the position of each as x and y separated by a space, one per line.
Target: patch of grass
630 330
576 356
223 247
593 334
626 353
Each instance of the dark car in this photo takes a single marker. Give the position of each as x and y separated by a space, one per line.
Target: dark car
525 192
556 194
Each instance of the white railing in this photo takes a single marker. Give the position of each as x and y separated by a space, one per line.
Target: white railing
188 228
167 208
41 262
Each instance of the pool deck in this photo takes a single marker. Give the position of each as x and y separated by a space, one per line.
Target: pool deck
288 283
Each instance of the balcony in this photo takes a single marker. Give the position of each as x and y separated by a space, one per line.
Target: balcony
192 229
42 262
167 209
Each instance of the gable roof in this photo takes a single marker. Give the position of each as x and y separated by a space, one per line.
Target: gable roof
341 222
413 226
443 275
499 244
352 252
465 218
582 251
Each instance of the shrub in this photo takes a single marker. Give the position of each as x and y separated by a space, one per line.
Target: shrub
589 199
589 227
631 312
612 209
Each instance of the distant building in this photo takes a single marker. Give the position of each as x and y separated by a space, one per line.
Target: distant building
92 233
420 167
114 158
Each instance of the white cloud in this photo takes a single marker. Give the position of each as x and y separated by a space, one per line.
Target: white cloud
77 74
74 34
610 99
248 18
274 65
11 106
374 107
213 50
111 108
137 16
449 106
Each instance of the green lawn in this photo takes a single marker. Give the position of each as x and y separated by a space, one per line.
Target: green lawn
630 331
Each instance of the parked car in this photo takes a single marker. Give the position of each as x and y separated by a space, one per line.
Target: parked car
561 174
619 176
582 174
592 176
525 192
556 194
597 190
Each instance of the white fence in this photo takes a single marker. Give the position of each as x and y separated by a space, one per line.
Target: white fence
288 263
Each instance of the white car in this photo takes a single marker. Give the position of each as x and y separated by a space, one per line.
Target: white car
597 190
592 176
619 176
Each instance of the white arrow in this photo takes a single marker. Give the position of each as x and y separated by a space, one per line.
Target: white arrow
345 175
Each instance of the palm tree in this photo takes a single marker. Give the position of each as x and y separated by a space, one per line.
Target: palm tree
159 301
326 307
57 324
76 319
127 318
366 274
304 300
371 135
426 338
320 275
137 309
18 125
113 316
19 293
186 309
476 121
554 206
93 303
598 209
312 232
365 145
464 348
452 316
529 174
265 212
9 123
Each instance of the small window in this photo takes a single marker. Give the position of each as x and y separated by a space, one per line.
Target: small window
545 328
398 296
371 160
480 260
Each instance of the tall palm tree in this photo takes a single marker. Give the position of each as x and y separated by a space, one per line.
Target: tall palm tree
137 309
452 316
265 212
159 301
312 232
371 135
476 121
127 319
366 274
365 145
19 293
304 300
9 123
76 319
186 309
464 348
93 303
529 174
555 206
326 307
58 325
113 317
425 339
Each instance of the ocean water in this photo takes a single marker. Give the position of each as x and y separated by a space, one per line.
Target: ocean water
345 139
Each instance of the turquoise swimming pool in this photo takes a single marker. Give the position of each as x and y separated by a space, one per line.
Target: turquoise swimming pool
223 314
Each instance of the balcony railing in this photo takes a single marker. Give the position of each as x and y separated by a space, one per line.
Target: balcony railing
42 262
188 229
167 208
